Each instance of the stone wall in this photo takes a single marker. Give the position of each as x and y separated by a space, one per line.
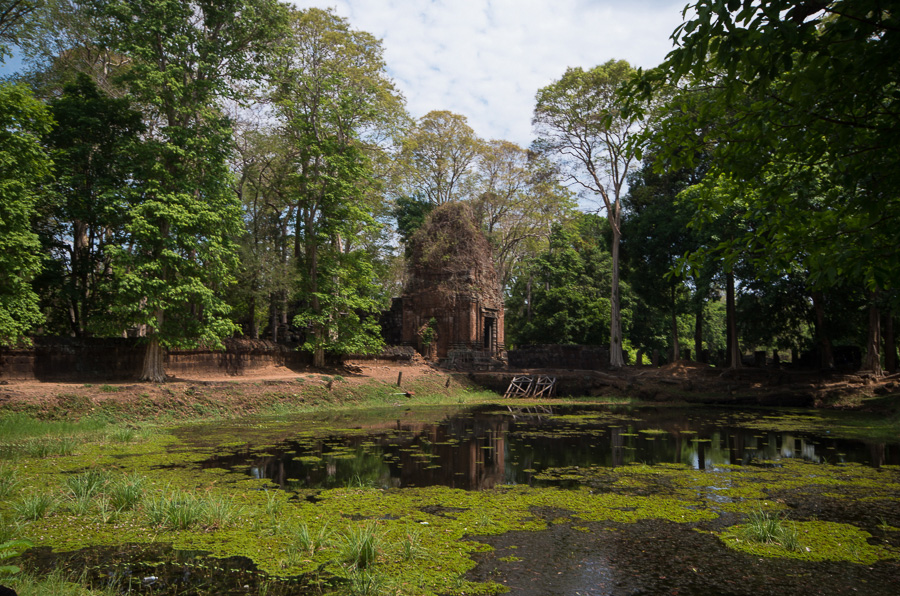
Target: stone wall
572 357
65 359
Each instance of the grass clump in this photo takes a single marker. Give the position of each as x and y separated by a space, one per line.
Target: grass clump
174 511
34 507
87 484
359 546
180 510
126 492
8 482
770 528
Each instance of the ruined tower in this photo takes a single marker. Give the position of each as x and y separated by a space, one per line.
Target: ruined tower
452 300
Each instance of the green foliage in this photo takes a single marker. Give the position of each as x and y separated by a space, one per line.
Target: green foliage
94 147
770 528
410 213
330 87
766 91
87 484
10 549
182 213
33 507
360 546
24 166
561 296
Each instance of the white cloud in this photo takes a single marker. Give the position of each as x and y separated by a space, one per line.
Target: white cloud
486 59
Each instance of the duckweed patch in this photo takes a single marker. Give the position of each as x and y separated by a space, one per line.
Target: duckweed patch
209 489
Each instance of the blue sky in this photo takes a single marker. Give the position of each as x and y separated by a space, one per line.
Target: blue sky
486 59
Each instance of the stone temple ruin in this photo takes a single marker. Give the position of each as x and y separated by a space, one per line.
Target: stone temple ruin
452 305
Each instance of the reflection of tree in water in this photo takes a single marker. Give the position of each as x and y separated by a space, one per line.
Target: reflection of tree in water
481 450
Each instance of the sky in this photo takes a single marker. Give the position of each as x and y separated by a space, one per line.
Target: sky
486 59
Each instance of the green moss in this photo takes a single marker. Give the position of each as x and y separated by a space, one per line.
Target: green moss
819 541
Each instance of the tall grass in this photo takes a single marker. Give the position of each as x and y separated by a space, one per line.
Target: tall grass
34 507
87 484
125 492
359 546
181 510
57 583
17 427
770 528
8 482
174 511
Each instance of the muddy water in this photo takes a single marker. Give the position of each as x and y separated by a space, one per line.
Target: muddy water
786 459
481 449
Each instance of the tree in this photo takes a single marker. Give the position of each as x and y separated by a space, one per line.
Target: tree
61 42
579 121
264 164
516 202
772 105
655 237
93 146
188 57
560 296
25 166
330 90
438 157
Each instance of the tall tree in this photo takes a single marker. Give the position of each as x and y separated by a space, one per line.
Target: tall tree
438 158
516 202
188 57
778 115
93 145
331 89
560 297
25 166
578 120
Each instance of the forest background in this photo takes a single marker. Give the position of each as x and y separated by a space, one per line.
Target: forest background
189 171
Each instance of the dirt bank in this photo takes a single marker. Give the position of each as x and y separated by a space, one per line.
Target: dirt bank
699 383
368 382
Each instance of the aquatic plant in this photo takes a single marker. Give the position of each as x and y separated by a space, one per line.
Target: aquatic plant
219 511
359 546
34 507
411 545
310 542
174 511
126 492
48 447
770 528
10 549
87 484
365 583
8 482
60 583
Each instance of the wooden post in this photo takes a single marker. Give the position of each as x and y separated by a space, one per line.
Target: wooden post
399 377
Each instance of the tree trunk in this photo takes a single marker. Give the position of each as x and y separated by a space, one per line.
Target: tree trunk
734 350
698 333
154 371
676 347
827 360
890 345
254 328
873 353
616 359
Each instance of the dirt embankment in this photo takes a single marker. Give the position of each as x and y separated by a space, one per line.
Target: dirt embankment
699 383
363 381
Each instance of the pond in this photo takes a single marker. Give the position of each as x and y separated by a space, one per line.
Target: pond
539 500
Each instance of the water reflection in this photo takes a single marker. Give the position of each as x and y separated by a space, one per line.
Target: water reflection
480 449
